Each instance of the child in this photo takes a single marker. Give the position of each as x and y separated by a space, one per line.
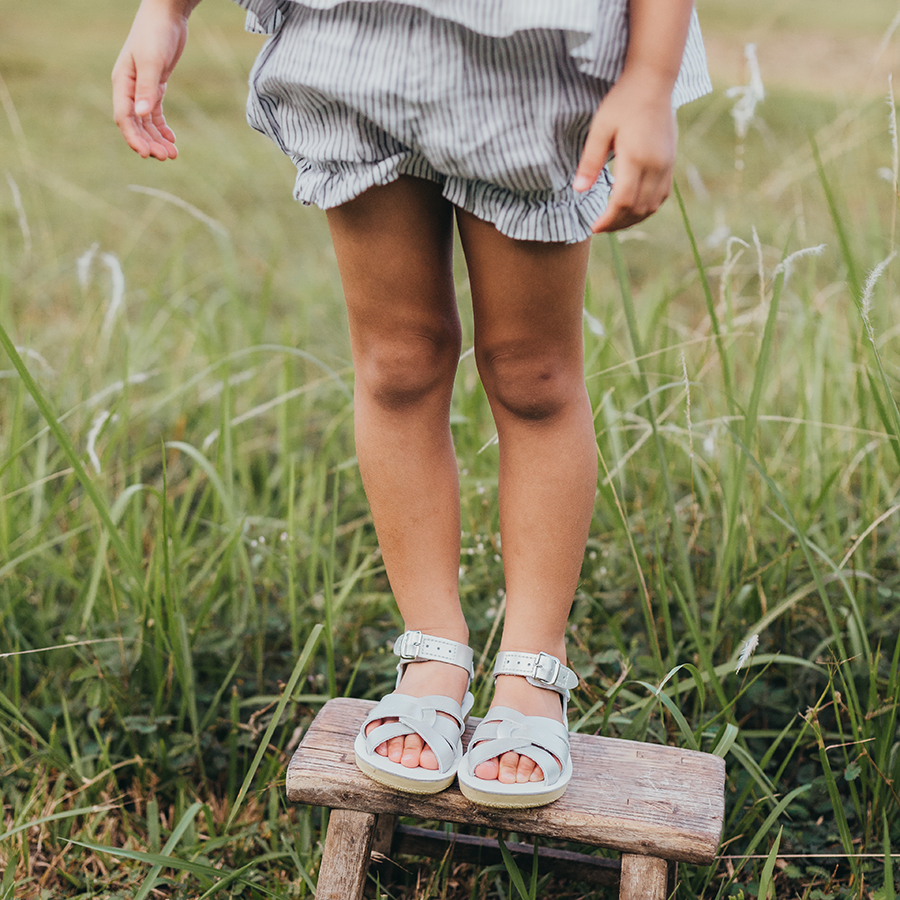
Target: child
400 117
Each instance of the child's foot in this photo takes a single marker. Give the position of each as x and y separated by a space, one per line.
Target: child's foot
516 693
422 679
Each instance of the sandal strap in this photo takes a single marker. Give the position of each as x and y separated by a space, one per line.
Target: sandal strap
543 740
418 716
416 646
540 669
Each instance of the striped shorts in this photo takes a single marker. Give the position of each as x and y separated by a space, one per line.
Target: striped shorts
362 93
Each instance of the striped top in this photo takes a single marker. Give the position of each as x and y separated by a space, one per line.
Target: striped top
596 31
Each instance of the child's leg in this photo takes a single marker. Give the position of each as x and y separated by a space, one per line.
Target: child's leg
394 251
527 299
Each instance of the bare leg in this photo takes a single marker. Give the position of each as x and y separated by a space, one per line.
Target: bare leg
394 252
527 299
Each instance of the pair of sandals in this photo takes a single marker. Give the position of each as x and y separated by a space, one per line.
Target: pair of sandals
502 730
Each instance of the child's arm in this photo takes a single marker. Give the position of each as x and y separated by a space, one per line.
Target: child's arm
153 48
635 121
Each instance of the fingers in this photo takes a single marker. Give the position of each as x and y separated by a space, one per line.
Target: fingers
137 109
161 137
595 155
123 79
139 78
636 123
149 89
638 192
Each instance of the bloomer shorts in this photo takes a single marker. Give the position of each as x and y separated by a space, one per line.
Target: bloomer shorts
362 93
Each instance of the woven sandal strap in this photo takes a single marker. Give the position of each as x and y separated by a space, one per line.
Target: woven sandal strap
413 724
543 740
538 730
539 669
417 716
399 705
444 749
492 749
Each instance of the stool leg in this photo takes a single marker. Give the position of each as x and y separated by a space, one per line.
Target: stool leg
384 835
345 860
385 824
672 880
643 878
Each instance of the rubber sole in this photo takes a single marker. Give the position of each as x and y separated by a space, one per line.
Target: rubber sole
511 801
409 784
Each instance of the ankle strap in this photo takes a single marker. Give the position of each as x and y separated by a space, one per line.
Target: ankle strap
415 646
540 669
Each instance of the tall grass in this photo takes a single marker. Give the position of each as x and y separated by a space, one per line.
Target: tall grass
180 511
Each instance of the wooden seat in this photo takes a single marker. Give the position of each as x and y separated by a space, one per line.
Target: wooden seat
656 805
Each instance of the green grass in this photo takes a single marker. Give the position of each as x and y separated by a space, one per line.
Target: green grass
831 16
180 507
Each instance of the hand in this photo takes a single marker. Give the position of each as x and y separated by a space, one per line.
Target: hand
153 48
635 123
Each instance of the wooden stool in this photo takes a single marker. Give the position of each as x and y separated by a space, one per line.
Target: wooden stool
657 805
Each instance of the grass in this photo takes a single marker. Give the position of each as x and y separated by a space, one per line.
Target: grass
180 508
792 15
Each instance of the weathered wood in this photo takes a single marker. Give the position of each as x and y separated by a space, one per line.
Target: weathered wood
345 859
467 848
671 879
643 878
625 795
385 826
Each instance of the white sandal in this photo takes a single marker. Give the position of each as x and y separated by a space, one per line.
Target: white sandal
542 739
418 715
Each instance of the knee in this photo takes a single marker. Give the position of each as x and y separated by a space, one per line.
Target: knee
406 369
532 387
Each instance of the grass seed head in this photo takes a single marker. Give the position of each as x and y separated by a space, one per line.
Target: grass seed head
747 649
748 95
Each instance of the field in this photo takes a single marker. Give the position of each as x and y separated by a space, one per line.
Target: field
180 508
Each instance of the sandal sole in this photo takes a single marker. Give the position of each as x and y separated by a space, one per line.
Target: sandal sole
407 784
511 801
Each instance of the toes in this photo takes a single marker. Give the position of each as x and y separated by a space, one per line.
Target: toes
488 770
412 751
510 768
509 764
395 749
417 754
427 759
381 749
409 750
525 770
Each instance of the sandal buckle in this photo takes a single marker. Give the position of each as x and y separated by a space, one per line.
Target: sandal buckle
408 645
543 660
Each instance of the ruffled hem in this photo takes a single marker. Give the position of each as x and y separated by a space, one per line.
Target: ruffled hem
596 33
564 217
550 216
336 184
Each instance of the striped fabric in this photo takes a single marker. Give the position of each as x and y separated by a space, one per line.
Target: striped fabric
596 30
359 92
495 17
